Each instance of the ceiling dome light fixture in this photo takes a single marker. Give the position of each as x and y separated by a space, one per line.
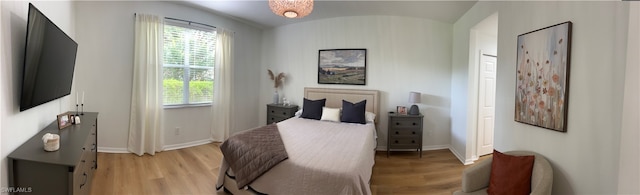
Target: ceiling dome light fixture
291 8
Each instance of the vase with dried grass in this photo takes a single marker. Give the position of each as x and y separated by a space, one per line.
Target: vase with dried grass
277 82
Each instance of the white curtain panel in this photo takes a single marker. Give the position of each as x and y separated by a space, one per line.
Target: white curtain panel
223 89
145 127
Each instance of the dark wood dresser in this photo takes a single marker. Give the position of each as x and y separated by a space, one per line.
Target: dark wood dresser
68 170
405 132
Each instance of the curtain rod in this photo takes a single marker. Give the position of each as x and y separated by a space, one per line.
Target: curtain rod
187 21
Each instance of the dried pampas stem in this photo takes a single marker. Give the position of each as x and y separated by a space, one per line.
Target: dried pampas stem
278 80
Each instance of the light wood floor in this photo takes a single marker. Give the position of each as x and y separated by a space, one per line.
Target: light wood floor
195 171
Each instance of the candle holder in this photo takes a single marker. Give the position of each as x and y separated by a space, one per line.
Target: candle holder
82 109
76 110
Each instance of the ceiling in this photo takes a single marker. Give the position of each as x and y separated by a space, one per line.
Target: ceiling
257 12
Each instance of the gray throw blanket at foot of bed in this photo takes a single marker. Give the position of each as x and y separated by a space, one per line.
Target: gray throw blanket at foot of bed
253 152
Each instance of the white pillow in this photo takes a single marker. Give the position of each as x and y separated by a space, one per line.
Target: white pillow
370 117
298 113
330 114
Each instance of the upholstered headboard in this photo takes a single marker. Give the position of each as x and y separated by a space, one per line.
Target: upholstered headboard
335 96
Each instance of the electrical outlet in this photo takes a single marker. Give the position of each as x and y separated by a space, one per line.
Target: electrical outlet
177 130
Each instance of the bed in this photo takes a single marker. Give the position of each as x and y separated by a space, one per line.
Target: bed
323 157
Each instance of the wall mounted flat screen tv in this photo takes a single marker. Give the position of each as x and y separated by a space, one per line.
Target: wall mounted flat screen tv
49 61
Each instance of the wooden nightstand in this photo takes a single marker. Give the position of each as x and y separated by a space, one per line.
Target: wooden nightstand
280 112
405 132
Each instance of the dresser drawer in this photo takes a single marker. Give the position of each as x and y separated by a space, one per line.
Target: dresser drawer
275 119
396 122
280 112
404 143
404 132
81 176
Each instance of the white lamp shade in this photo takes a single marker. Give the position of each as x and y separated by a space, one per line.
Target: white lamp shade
414 97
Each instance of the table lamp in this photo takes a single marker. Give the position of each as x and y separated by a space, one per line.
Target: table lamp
414 98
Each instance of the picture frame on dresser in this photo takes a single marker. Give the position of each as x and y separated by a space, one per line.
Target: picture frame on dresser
63 120
401 110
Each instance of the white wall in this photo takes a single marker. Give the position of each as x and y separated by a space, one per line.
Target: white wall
403 54
585 159
105 35
25 124
1 87
629 170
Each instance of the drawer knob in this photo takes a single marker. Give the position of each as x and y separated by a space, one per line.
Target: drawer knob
284 113
272 111
397 133
397 123
396 141
413 132
414 124
413 141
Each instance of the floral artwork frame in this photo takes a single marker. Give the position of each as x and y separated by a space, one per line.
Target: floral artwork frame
342 66
542 77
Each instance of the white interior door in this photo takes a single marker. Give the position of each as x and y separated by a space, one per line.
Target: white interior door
486 103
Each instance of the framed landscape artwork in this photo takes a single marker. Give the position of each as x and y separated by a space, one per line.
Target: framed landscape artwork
542 77
342 66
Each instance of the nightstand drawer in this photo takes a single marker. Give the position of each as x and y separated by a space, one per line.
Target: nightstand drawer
404 143
275 119
404 132
280 112
406 123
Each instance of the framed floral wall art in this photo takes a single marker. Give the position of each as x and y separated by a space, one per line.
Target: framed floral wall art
542 77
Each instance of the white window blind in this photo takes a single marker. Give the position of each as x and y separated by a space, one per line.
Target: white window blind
188 64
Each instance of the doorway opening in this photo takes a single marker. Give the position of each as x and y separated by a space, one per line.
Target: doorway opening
484 45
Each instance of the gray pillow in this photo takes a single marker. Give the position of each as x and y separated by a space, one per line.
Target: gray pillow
312 109
354 113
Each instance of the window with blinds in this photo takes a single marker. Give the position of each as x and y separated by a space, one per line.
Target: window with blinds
188 64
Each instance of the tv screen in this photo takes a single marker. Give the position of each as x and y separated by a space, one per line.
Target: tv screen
49 61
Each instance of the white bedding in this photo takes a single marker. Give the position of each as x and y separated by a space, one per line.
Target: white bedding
324 158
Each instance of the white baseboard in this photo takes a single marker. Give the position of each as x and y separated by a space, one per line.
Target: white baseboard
165 148
460 157
186 145
435 147
112 150
424 148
